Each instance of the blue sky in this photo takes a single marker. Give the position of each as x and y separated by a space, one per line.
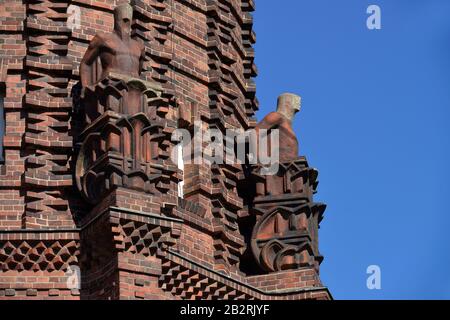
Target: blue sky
375 123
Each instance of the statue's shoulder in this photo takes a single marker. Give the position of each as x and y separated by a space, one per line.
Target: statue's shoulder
99 39
103 35
273 117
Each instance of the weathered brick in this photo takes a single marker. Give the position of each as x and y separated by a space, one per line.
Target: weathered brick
202 54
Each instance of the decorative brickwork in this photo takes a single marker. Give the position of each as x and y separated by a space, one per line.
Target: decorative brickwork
47 105
285 235
88 183
38 255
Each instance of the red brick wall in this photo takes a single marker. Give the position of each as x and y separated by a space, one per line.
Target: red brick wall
201 52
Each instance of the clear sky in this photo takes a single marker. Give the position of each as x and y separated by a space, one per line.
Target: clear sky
375 122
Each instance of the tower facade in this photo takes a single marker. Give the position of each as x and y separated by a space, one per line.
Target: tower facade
92 202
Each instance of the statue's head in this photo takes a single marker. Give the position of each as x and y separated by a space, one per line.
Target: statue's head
289 104
123 15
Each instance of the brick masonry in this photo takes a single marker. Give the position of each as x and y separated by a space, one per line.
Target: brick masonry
131 245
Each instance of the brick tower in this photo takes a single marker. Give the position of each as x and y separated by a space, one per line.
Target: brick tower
92 205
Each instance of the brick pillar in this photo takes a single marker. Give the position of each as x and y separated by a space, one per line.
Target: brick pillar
39 240
130 234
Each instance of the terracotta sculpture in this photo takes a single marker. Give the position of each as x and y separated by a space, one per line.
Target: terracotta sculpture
117 56
284 236
288 106
120 145
117 50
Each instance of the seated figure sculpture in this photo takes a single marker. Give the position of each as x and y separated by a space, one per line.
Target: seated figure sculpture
281 120
117 50
288 105
284 235
123 129
117 56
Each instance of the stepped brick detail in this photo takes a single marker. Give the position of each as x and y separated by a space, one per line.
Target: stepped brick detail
89 193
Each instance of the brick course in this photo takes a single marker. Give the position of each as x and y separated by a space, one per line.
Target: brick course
131 245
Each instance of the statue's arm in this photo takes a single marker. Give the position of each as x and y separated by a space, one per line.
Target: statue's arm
88 59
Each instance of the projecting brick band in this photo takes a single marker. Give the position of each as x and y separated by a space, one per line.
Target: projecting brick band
89 195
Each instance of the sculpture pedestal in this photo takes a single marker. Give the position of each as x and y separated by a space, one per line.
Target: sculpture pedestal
126 140
285 236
